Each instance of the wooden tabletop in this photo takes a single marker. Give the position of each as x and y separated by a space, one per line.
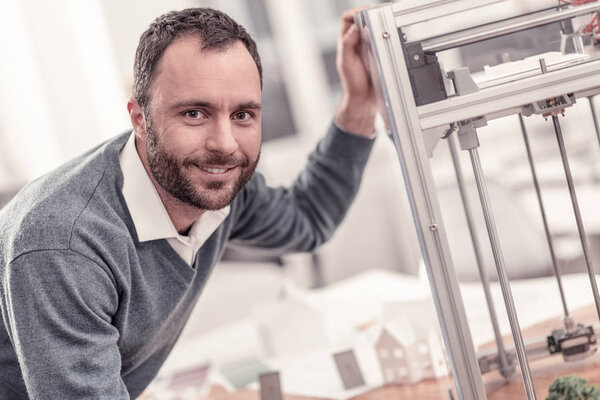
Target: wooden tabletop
544 372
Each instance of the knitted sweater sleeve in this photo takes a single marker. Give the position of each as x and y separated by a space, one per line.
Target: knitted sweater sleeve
57 307
305 215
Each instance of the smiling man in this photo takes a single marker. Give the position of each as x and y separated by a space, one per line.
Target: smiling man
199 136
103 259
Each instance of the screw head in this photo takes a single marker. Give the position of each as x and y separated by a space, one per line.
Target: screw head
386 35
433 228
416 57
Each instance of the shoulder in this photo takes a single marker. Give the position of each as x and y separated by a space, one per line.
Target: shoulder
46 213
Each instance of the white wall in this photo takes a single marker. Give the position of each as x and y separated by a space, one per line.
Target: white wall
60 88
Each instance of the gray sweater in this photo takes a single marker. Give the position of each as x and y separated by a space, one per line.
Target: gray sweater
88 312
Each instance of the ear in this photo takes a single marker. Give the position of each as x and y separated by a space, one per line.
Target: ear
137 118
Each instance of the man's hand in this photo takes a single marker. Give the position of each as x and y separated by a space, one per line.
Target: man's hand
357 109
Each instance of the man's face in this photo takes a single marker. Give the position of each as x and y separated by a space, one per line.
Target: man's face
203 128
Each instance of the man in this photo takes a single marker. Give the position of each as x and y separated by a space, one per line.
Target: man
102 260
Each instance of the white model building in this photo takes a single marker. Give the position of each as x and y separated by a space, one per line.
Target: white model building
290 327
409 350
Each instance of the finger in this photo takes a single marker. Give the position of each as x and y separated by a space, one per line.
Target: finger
348 18
349 46
347 21
352 37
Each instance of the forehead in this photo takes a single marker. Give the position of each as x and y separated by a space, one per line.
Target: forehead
186 69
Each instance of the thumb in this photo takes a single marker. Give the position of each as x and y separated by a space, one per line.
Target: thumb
351 37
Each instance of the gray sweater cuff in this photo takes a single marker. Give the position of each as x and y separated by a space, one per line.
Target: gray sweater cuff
347 146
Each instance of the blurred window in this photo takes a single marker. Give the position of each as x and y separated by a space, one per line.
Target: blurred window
277 119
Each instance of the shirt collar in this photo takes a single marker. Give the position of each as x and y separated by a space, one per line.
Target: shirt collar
150 218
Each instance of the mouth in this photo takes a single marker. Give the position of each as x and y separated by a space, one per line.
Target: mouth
217 171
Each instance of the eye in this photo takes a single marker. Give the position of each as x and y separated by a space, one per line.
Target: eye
194 114
243 116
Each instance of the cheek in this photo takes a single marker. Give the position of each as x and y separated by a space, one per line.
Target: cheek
249 143
181 141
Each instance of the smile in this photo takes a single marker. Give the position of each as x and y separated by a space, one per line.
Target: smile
216 171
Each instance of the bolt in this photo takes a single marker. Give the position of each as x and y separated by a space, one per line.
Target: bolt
416 57
386 35
404 37
433 228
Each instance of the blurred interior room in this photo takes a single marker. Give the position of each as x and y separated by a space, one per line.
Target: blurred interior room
65 79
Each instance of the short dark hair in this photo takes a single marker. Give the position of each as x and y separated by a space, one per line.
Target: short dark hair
215 29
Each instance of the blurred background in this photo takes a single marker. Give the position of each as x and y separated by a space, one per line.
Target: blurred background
66 74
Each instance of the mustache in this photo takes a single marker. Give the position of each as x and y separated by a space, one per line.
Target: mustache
215 159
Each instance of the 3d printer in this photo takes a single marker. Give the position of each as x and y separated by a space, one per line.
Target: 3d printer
423 104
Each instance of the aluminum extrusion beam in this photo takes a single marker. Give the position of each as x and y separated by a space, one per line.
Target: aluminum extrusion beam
500 28
386 63
422 12
508 98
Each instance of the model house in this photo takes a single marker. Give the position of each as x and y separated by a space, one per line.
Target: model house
290 327
409 350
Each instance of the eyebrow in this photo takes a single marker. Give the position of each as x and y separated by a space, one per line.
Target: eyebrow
252 105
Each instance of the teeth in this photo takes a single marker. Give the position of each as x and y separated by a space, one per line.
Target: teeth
215 170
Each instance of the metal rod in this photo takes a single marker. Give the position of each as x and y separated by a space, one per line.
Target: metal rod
505 368
594 118
500 28
576 211
538 192
502 275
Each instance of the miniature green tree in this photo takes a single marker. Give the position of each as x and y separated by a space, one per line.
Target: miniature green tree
572 387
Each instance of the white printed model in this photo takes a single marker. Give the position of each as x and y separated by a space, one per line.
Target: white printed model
409 348
290 328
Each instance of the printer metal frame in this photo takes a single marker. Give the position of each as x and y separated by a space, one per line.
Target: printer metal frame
416 124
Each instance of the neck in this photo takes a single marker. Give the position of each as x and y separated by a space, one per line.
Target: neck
182 215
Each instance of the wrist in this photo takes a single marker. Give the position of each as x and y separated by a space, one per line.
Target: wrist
356 117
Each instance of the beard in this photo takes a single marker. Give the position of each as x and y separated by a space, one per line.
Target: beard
174 174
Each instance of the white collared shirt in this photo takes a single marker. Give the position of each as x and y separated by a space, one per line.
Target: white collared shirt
151 220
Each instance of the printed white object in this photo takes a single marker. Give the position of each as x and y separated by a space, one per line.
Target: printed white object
409 347
290 328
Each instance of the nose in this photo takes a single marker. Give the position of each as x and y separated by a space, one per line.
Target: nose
221 138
